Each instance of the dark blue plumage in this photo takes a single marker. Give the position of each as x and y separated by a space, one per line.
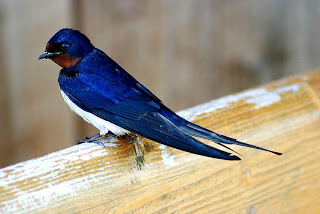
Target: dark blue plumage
96 84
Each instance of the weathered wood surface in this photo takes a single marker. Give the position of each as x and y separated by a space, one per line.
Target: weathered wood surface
126 178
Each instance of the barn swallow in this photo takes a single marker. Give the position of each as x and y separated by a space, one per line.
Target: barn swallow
105 95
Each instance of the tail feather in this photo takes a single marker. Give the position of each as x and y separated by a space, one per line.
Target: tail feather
229 140
155 126
198 131
229 148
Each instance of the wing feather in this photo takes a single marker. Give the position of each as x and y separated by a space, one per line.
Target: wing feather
135 110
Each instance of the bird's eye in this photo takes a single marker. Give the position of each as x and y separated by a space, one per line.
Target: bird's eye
64 46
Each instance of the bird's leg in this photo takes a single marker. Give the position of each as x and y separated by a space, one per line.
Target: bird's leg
93 139
89 139
136 141
110 135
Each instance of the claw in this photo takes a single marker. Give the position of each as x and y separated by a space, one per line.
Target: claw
93 139
89 139
99 143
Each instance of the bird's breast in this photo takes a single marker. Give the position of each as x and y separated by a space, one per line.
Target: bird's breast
101 124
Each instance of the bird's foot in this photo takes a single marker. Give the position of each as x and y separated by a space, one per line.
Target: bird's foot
89 139
92 140
139 150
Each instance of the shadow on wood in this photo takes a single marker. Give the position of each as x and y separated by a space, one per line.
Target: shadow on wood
139 178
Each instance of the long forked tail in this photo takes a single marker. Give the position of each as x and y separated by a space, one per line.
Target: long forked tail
198 131
158 128
229 140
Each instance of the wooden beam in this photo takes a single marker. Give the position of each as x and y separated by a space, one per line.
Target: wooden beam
140 178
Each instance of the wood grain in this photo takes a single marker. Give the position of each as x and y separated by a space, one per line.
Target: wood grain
148 177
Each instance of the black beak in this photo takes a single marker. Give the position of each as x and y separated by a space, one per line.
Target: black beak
48 55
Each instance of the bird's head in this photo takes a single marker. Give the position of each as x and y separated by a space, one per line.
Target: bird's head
67 47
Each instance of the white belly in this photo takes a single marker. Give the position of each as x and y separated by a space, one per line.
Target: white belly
103 125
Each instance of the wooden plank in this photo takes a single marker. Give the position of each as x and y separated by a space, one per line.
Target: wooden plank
142 178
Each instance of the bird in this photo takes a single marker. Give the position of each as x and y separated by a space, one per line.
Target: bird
100 91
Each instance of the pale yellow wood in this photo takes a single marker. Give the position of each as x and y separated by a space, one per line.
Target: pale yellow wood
133 178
